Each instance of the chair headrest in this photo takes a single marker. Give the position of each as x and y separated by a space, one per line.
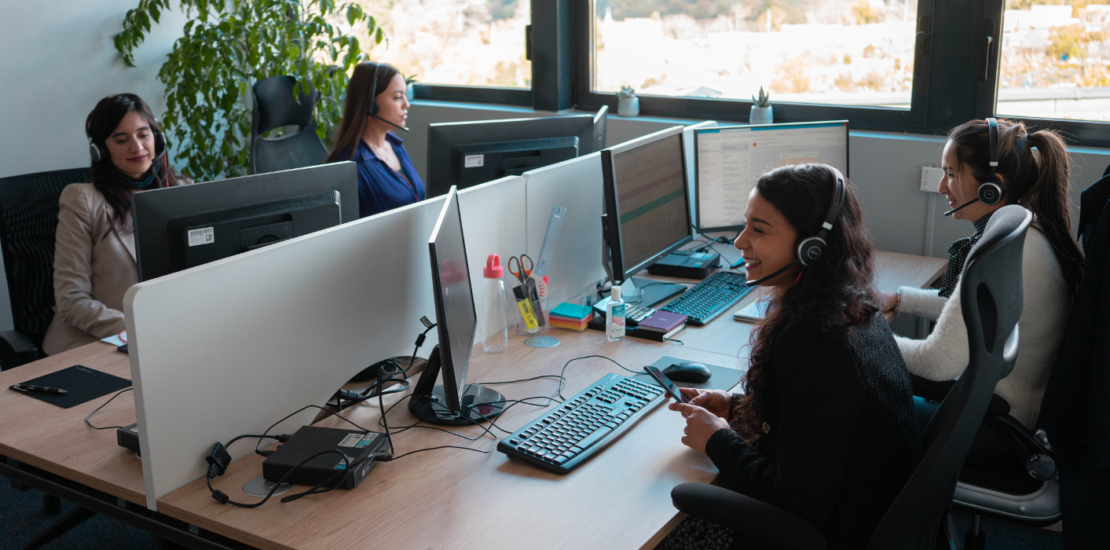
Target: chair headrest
1005 221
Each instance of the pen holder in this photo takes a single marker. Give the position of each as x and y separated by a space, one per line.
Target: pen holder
531 318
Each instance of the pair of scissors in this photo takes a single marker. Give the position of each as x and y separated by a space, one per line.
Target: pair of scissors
523 269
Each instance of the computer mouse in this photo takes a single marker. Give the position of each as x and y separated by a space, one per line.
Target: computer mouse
688 372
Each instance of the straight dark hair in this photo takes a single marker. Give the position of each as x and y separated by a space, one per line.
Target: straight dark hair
835 292
357 108
100 124
1038 184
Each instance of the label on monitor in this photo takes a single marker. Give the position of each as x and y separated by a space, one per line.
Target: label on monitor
474 161
205 235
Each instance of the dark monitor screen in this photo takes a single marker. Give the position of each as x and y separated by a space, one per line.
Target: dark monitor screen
454 302
178 228
647 211
730 159
450 160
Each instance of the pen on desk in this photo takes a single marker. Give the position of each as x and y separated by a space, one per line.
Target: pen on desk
38 389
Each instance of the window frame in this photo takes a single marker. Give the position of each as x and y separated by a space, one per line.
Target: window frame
473 94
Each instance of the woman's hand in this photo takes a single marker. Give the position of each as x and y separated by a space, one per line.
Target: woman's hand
700 425
715 401
888 301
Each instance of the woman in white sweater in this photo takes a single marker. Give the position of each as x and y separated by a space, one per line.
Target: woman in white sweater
1033 171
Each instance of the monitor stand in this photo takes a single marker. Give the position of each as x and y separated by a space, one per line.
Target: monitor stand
429 402
648 293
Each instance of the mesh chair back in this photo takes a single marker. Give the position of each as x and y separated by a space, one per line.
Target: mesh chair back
28 223
275 107
991 298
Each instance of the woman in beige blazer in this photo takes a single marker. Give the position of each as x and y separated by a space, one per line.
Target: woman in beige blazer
94 255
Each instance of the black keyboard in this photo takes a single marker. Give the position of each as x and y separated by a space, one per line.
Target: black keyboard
568 436
707 299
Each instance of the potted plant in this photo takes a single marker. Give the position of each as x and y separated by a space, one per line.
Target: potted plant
410 90
761 108
627 102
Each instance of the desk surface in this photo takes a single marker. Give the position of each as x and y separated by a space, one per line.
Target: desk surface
442 498
58 440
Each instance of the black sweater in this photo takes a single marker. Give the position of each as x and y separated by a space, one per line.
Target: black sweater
842 438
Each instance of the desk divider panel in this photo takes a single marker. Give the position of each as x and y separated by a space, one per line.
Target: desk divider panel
230 347
577 185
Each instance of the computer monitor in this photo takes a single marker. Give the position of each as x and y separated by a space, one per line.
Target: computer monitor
454 402
647 215
465 154
730 159
181 227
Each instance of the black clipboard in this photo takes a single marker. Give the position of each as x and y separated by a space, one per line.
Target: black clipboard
81 383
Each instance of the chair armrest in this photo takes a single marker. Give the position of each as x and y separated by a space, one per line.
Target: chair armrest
936 391
747 516
16 349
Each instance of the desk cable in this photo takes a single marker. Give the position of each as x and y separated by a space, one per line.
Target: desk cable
89 422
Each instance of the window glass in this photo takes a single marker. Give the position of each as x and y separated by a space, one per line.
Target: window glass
1055 60
847 52
455 42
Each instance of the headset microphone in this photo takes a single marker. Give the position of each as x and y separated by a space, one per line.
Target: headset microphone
391 123
961 207
773 275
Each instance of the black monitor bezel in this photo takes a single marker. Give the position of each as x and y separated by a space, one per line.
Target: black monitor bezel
453 387
697 178
613 233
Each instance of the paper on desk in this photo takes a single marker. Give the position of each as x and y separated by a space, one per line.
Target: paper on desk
115 339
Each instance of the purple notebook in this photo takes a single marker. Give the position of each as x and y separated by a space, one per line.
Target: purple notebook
663 321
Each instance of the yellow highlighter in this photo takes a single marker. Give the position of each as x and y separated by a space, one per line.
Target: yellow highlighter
525 306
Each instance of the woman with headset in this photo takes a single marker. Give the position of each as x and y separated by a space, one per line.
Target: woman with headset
94 251
825 426
376 106
988 164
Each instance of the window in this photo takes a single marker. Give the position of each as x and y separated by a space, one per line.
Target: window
1055 60
841 52
455 42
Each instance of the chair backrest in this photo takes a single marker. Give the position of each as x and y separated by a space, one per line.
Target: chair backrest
28 223
991 298
274 107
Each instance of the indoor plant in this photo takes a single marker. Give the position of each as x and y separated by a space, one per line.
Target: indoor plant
228 45
761 109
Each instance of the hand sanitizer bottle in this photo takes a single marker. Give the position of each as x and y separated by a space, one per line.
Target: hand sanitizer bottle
614 317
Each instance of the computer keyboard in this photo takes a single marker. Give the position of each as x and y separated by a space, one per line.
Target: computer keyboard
568 436
707 299
633 314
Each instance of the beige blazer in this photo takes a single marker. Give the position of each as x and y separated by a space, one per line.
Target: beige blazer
94 265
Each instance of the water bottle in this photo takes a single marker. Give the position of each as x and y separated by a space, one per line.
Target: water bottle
614 316
495 326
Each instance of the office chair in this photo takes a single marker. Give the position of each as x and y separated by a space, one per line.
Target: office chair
991 297
274 107
28 223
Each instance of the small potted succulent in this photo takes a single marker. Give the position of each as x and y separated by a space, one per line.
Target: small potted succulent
410 91
761 108
628 104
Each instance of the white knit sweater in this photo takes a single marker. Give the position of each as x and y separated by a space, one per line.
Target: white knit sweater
943 355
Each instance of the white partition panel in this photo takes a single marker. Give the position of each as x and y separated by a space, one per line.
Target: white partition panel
691 174
577 185
231 347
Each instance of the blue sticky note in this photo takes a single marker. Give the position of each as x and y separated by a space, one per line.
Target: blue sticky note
571 311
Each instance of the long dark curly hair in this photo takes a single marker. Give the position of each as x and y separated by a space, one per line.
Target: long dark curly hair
835 292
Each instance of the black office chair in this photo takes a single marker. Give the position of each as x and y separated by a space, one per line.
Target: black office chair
28 223
274 107
991 297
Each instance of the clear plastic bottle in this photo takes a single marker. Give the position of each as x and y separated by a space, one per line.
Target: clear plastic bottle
494 324
614 316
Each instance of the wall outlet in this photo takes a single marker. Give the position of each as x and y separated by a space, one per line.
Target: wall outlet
930 179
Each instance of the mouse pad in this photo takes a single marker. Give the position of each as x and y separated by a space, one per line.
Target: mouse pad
81 384
723 378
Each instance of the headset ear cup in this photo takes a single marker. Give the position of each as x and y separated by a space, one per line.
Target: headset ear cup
94 152
991 193
159 144
810 250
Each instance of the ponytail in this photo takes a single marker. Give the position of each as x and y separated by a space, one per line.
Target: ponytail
1050 202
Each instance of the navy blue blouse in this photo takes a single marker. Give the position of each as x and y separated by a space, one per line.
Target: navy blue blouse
379 187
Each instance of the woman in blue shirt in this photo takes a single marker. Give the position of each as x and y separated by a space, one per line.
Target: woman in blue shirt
386 176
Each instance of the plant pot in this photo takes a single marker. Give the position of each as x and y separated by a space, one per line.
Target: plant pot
410 91
761 115
628 106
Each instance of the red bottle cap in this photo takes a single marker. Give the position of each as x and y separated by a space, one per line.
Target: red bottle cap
493 269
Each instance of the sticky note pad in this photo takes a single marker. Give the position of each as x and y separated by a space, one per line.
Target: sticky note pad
572 311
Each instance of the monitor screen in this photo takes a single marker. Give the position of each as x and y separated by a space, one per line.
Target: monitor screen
455 312
730 160
646 180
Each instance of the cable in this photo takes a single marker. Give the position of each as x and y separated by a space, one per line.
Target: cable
105 405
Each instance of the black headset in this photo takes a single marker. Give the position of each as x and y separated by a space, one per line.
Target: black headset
811 248
992 192
97 154
373 110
